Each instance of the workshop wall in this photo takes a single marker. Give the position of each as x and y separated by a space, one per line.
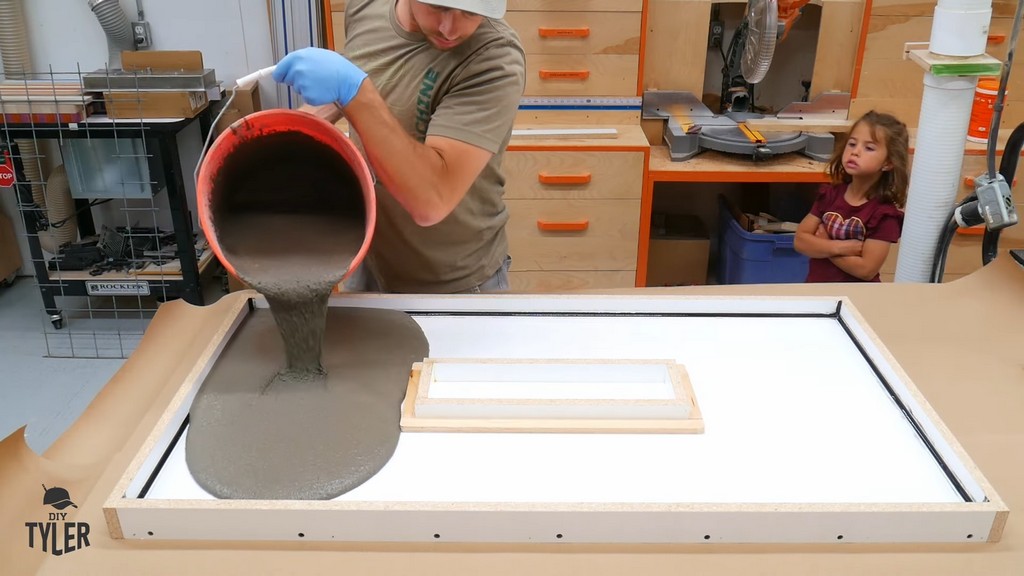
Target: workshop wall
888 82
233 35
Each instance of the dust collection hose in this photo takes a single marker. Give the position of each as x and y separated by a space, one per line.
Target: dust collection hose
116 27
53 199
990 241
1007 167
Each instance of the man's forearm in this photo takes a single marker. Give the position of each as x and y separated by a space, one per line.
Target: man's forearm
413 173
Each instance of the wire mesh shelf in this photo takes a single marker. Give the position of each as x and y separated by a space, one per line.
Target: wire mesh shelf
103 207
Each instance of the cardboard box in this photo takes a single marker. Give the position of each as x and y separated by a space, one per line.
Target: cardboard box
246 101
10 255
678 251
148 104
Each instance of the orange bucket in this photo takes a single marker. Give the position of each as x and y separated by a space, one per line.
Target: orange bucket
269 150
981 112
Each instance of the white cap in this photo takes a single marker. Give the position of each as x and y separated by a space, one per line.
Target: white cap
486 8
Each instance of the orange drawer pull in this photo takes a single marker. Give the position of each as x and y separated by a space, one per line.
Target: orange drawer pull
575 226
563 179
996 38
581 32
564 74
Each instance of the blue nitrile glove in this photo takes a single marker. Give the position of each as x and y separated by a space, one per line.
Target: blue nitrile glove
320 76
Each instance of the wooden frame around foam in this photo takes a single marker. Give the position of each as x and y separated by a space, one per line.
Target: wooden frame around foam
534 522
418 396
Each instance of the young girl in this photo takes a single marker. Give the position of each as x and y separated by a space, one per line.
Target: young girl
857 217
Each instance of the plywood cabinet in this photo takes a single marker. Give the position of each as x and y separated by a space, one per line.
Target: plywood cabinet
574 217
579 48
891 84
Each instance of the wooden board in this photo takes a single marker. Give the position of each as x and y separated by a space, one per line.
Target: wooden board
838 38
131 105
162 60
771 124
599 75
629 137
423 413
566 133
548 281
889 83
608 240
588 32
676 50
713 166
605 174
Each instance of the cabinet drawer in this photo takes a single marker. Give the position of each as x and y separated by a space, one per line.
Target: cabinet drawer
565 175
575 5
577 32
581 74
590 234
567 280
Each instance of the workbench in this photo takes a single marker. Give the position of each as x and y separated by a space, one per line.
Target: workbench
974 385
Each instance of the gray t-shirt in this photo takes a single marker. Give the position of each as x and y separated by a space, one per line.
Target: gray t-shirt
470 93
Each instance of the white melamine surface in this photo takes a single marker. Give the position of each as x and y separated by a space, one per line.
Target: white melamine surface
550 381
793 414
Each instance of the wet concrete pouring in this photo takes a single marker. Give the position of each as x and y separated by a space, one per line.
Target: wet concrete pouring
304 401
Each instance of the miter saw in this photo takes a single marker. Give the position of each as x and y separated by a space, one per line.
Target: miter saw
692 127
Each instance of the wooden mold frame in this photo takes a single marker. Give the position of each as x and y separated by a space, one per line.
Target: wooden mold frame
424 412
980 517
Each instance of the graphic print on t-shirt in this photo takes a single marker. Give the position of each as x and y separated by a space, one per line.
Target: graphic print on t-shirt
423 98
839 228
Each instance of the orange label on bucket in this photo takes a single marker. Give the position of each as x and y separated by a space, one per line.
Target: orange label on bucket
982 110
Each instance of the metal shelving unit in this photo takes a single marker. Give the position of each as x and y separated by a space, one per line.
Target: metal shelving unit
153 263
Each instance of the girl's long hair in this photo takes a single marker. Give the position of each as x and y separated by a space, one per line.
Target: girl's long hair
892 186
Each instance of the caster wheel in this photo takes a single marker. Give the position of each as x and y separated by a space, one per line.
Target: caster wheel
57 320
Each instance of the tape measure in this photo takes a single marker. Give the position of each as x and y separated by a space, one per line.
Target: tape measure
631 103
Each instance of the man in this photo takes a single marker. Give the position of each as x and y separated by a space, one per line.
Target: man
430 89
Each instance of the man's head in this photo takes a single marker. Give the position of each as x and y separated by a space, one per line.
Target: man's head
448 23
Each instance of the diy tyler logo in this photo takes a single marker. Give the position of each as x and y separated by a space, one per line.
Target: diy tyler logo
58 536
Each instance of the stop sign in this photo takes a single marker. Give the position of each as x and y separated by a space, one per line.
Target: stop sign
6 176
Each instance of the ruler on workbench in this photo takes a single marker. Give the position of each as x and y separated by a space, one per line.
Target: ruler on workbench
632 103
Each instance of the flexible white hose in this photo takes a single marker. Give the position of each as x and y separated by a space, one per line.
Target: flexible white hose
13 41
116 26
935 175
55 197
61 207
17 65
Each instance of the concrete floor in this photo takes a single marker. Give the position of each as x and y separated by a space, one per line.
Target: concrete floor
47 376
45 392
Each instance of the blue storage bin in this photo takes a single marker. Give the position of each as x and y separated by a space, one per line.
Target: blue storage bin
749 258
